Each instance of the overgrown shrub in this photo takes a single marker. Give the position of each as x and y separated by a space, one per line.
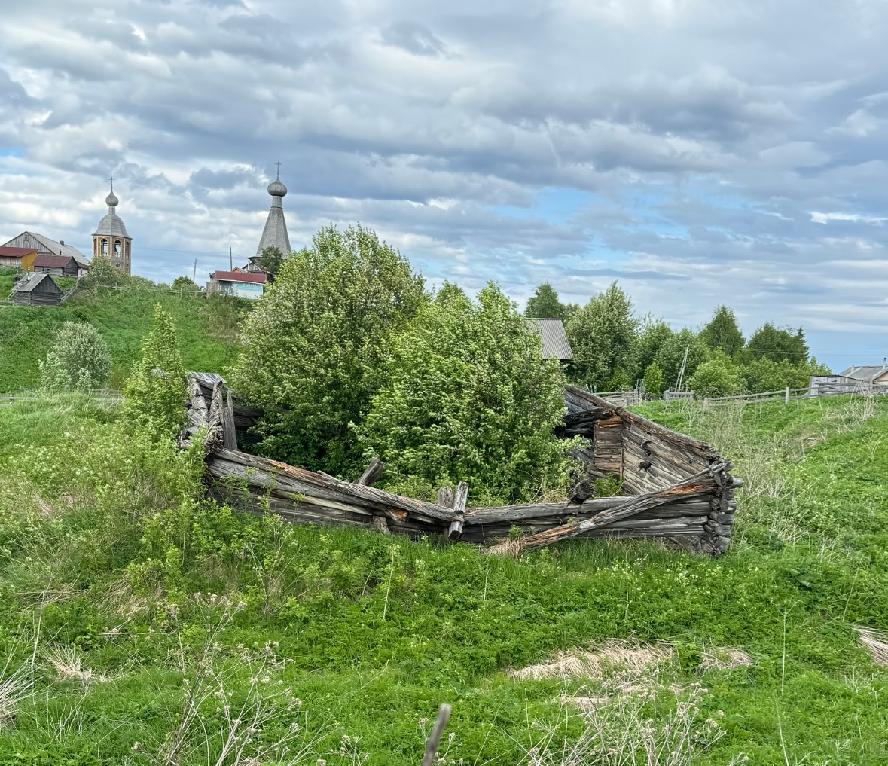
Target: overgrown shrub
718 376
77 360
315 342
467 396
653 381
155 392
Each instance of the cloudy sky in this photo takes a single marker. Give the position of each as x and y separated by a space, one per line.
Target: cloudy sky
698 152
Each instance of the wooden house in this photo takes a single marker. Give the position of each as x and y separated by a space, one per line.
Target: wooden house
18 257
58 265
36 290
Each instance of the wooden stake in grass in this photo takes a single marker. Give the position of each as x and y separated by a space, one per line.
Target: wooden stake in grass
431 748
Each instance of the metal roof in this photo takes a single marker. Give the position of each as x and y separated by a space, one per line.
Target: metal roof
553 338
16 252
866 372
56 248
53 261
240 276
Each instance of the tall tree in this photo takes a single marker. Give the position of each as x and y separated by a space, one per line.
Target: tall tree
673 352
777 344
315 342
650 339
722 333
544 304
468 397
601 334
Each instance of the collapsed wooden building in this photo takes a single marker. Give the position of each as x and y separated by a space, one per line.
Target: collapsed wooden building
681 489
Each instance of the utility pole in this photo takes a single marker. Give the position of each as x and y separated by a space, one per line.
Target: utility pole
230 261
194 272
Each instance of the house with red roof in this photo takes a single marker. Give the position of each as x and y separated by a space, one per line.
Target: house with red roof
239 283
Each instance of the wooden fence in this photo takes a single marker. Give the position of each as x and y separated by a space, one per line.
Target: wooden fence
35 395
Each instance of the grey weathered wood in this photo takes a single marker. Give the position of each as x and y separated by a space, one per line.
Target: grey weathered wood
430 757
454 531
445 497
372 472
229 434
696 485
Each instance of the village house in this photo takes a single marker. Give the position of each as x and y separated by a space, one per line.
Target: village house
36 290
240 283
58 265
869 374
17 257
43 245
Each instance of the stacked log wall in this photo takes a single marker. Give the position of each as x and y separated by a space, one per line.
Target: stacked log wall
681 490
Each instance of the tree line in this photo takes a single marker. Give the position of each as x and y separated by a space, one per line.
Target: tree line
615 349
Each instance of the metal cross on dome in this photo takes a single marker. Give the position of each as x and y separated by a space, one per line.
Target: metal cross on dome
278 170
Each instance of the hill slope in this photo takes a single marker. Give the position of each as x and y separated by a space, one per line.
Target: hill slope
114 593
207 329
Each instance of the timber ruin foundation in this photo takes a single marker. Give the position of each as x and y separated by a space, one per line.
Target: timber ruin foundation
682 491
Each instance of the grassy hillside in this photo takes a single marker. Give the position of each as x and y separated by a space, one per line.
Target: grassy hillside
207 329
138 615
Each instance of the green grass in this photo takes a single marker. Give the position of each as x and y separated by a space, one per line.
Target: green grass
207 329
372 633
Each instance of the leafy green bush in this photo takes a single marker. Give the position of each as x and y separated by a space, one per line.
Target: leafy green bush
467 396
315 342
653 381
718 376
602 334
155 392
78 359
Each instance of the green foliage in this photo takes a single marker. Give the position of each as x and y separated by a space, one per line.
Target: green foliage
78 359
185 284
777 344
544 304
106 552
103 273
722 333
270 260
763 374
315 342
602 334
155 392
207 329
650 339
717 376
654 381
671 353
467 396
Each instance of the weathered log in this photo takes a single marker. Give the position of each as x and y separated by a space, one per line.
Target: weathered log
372 472
698 484
229 434
454 531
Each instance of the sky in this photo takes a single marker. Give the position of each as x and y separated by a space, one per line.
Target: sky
699 153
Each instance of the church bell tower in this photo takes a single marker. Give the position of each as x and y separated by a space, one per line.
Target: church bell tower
110 239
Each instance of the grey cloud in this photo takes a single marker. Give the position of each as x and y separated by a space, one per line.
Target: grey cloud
413 38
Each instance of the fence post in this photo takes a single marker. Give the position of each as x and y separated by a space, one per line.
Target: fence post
786 400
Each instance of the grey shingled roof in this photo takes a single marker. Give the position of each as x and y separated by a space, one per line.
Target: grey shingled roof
553 337
867 372
275 232
30 283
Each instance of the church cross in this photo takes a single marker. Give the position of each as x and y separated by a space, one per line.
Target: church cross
278 170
